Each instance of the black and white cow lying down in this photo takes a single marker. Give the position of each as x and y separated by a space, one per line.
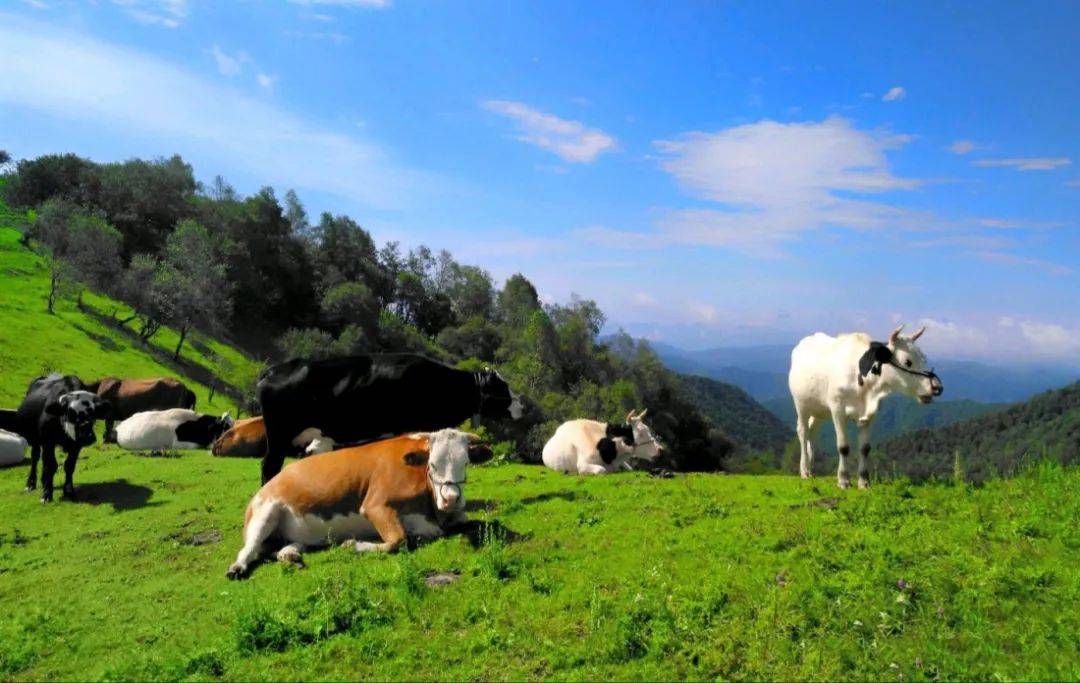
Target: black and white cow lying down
366 397
176 428
57 411
591 447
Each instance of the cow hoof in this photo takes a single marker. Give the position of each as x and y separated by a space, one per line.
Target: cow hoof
844 484
365 547
291 556
46 497
806 475
237 571
30 488
863 484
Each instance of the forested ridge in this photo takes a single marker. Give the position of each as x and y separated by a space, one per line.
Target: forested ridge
260 272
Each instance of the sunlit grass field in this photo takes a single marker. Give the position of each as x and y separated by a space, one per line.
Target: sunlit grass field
621 577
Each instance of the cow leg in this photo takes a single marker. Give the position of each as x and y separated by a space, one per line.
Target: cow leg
263 522
292 554
842 449
48 472
802 430
386 522
69 473
592 469
276 448
864 456
31 480
108 436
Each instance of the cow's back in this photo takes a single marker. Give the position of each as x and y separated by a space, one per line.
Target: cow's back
131 396
570 441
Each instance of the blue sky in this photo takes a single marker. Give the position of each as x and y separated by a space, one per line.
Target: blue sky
712 174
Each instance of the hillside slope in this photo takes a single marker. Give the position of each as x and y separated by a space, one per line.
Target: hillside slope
738 415
1047 426
84 342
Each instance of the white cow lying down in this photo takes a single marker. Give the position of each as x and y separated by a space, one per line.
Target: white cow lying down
158 430
12 448
591 447
845 378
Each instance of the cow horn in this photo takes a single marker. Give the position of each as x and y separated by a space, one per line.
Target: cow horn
474 438
896 334
918 333
630 415
642 413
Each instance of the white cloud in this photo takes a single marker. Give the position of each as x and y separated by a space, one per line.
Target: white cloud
265 81
36 4
167 13
1051 339
72 77
962 147
1008 259
571 141
704 313
773 182
369 4
335 37
227 64
1025 163
895 93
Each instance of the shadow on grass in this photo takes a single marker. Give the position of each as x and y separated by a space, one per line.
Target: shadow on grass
105 342
121 494
10 465
479 532
569 496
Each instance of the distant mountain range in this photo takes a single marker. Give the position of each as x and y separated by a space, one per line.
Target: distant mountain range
762 372
746 421
973 389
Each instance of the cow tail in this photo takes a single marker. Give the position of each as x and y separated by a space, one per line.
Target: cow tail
190 399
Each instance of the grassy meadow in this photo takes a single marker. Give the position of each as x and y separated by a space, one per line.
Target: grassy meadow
622 577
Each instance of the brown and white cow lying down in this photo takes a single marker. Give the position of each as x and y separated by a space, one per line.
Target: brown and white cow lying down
247 439
386 490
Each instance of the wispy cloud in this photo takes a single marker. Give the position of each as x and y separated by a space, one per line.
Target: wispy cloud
368 4
1048 339
335 37
571 141
228 65
773 181
73 77
1025 163
167 13
36 4
962 147
894 94
1009 259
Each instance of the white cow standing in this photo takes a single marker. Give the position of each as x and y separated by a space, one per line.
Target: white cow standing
591 447
845 378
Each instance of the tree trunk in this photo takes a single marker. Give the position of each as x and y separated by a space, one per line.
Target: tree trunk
183 335
54 288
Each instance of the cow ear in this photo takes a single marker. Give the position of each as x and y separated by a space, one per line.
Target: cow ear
480 453
415 458
102 409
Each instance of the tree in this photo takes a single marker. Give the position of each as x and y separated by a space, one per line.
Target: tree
517 300
192 283
93 252
351 304
138 287
297 215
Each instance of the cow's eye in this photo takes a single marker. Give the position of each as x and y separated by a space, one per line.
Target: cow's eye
907 363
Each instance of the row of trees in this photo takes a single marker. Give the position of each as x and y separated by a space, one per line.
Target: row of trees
260 272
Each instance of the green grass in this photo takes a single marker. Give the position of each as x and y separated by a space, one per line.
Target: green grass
621 577
33 343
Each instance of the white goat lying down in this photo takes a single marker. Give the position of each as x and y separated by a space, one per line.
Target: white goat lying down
591 447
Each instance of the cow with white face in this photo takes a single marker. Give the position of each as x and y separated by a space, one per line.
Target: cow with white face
591 447
845 378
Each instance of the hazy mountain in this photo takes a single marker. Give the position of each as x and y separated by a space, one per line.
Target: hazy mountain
742 418
761 371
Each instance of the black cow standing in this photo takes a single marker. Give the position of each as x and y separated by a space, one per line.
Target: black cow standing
57 411
360 398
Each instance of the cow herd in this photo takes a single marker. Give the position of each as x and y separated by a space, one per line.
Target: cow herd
385 462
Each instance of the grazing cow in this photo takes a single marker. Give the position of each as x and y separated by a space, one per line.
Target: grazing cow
366 397
247 438
57 411
158 430
591 447
12 448
130 396
387 490
845 378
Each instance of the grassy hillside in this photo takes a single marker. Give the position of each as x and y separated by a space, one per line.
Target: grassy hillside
1046 427
82 342
738 415
624 577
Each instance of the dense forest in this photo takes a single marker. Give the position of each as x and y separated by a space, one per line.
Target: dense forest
1045 428
756 430
260 272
